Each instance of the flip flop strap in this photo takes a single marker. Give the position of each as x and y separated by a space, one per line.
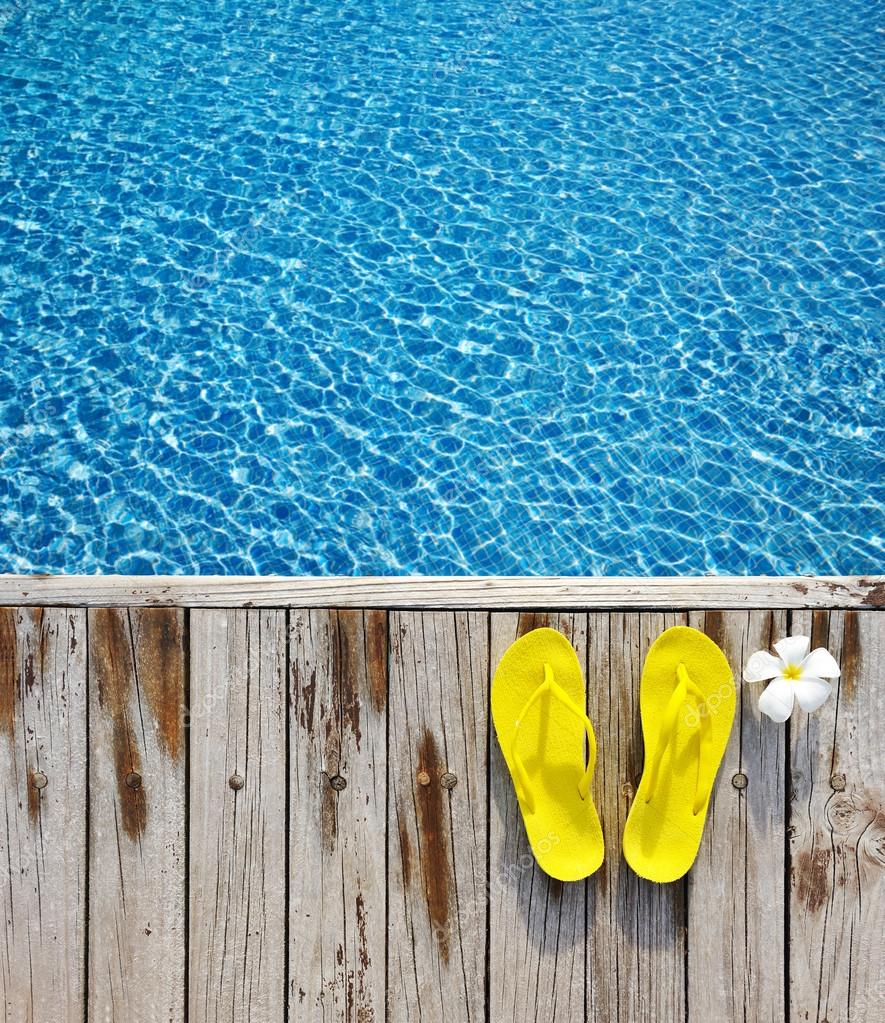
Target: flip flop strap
523 785
685 690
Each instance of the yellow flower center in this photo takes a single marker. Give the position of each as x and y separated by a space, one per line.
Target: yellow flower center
793 672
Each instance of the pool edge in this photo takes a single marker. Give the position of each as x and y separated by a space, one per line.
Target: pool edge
462 592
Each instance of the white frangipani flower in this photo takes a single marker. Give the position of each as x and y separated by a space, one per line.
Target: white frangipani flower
794 673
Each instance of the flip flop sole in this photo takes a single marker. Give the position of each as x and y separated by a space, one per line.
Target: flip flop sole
563 829
663 833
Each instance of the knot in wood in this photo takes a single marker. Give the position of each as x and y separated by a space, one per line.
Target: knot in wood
873 844
843 814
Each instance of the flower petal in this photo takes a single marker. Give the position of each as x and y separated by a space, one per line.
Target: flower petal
777 700
821 663
762 666
793 649
812 692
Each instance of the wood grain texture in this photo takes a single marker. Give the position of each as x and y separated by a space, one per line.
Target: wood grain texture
338 888
736 887
537 962
237 952
43 830
837 829
438 722
480 592
137 840
636 929
408 900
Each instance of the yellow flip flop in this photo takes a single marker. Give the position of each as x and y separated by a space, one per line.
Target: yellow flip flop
538 700
687 700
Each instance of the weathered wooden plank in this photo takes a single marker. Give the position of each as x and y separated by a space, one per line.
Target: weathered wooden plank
438 722
484 592
636 929
736 953
436 844
338 816
837 829
237 951
537 947
43 833
137 840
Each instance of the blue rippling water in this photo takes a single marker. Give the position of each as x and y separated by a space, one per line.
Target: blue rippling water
486 287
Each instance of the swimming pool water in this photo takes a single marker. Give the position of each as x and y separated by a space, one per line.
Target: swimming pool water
376 287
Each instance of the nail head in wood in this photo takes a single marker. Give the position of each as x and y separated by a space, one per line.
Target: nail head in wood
448 780
236 782
837 782
338 783
133 780
423 778
739 780
39 780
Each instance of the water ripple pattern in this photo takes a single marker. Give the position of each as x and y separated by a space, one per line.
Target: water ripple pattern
462 287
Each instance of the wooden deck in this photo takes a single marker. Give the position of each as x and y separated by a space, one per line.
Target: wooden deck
300 813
